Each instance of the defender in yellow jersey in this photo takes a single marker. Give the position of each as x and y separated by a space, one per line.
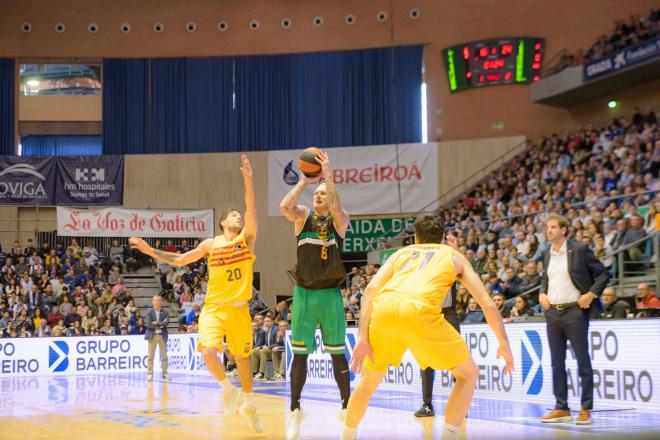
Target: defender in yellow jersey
226 312
401 309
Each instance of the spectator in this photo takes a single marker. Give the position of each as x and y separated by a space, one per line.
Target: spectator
54 317
72 317
22 266
139 328
646 298
193 316
270 341
107 328
635 233
58 330
29 248
74 249
90 259
258 342
88 321
521 308
530 281
42 330
4 319
279 366
473 313
117 251
510 283
23 320
198 298
499 300
613 309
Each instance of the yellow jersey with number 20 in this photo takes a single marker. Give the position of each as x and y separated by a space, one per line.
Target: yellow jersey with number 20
230 271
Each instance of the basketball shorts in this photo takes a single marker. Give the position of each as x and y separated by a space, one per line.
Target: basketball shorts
400 323
234 323
324 307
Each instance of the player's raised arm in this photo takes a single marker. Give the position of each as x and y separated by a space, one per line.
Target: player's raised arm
473 284
171 258
250 228
289 206
339 216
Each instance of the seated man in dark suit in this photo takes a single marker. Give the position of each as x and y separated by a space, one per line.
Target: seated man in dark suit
157 320
258 342
269 332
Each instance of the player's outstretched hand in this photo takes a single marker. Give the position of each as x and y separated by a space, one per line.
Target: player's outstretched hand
362 349
139 244
246 166
505 352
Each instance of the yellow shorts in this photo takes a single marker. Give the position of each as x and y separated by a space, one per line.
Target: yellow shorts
216 322
401 323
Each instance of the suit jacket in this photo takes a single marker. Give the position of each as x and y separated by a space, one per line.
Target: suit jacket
162 323
272 340
259 338
586 271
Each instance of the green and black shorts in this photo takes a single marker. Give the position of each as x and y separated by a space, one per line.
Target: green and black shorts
324 307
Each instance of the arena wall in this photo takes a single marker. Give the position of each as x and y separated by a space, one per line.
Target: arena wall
467 115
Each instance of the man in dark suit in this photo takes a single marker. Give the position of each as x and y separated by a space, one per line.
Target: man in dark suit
572 279
157 321
269 332
258 343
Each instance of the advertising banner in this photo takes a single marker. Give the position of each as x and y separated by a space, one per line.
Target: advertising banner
626 372
623 59
122 222
90 180
383 179
27 180
95 354
625 362
364 235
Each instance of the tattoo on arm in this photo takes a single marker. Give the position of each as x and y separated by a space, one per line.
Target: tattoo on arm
165 257
288 205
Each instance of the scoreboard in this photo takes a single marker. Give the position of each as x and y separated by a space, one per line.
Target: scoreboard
514 60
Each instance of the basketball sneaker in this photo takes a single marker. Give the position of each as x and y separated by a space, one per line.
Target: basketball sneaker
425 411
295 421
231 397
250 413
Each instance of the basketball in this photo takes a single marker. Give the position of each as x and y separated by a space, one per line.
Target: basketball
308 164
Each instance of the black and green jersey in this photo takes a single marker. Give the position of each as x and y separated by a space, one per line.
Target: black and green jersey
319 263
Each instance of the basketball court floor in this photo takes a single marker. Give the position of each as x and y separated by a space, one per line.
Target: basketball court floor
126 406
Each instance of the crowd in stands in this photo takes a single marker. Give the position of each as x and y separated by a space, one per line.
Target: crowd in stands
69 290
635 31
604 180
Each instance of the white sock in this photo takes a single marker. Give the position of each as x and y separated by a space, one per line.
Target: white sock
450 432
349 433
247 399
225 384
